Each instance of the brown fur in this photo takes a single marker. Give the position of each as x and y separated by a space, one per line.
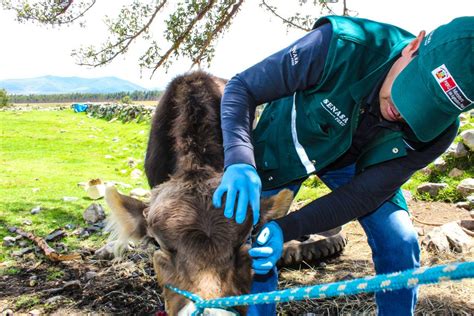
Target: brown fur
201 250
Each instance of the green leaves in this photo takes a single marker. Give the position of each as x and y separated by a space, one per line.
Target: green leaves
192 27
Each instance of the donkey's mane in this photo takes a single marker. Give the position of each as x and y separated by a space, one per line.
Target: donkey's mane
186 133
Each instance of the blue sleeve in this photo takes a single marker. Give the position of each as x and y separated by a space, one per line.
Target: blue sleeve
295 68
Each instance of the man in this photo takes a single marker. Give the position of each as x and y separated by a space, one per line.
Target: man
363 105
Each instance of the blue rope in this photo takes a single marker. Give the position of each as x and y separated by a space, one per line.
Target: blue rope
383 282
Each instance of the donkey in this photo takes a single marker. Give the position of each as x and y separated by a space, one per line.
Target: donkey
200 250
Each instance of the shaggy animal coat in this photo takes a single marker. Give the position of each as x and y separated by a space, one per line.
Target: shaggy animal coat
200 250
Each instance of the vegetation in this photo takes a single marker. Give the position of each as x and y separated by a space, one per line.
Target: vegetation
85 97
3 98
45 154
192 27
26 301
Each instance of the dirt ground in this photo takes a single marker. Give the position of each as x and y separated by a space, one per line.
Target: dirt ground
92 287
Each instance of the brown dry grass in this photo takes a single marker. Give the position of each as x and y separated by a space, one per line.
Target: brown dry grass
450 298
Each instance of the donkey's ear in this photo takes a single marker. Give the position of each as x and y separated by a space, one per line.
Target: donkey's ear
276 206
126 221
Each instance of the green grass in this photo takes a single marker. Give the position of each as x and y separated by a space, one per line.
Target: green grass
45 154
54 274
26 301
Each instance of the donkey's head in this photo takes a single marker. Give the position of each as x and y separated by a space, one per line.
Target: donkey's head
201 251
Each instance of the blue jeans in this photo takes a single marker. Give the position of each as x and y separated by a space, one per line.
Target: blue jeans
392 238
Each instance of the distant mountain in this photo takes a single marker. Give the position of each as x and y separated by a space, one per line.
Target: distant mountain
54 85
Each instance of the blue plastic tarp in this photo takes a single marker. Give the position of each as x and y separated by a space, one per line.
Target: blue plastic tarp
79 107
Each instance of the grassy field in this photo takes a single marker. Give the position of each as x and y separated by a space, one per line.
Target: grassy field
45 154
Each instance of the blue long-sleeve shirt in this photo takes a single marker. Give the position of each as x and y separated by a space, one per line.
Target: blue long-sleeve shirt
296 68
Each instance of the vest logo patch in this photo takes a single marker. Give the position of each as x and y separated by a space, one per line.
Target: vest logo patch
338 116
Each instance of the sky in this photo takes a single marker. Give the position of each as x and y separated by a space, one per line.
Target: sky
29 50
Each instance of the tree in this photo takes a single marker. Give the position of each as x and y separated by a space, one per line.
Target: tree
126 99
3 98
192 27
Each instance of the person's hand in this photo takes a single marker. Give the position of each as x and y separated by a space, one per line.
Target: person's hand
242 180
267 249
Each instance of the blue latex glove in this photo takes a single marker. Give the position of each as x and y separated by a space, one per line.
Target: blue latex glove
242 180
267 249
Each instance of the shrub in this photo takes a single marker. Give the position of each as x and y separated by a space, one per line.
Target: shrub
3 98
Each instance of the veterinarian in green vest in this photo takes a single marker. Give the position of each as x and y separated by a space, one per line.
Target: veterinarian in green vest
363 105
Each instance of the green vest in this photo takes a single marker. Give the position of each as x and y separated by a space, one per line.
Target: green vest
303 133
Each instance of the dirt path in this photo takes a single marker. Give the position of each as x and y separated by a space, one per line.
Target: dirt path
128 287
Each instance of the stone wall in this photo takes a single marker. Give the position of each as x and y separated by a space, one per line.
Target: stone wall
121 112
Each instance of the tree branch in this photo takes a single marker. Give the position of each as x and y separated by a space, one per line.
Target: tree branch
128 39
285 20
181 38
223 23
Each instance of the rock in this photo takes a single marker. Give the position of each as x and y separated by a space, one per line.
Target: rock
72 285
90 275
33 281
407 195
23 244
426 171
140 193
431 188
95 189
457 150
9 241
115 139
94 213
466 186
106 252
468 138
34 312
467 224
132 163
108 157
440 164
448 237
136 174
22 252
69 226
56 234
464 205
36 210
7 312
35 190
455 173
27 222
54 300
470 199
70 198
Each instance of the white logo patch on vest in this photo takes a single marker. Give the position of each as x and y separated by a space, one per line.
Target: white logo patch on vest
339 117
450 87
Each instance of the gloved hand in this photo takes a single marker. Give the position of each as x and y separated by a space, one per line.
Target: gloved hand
267 249
241 179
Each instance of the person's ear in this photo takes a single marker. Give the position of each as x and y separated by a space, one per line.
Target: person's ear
411 48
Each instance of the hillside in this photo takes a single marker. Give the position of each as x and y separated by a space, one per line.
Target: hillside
55 84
